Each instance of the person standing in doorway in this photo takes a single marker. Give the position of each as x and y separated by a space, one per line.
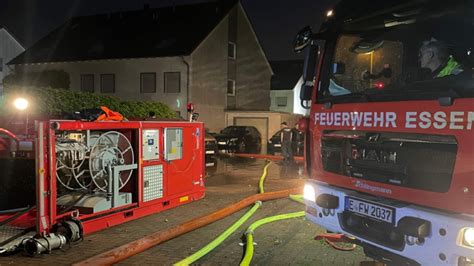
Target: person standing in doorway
298 139
286 142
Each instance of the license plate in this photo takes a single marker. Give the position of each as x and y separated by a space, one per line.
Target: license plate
277 145
222 143
372 210
209 152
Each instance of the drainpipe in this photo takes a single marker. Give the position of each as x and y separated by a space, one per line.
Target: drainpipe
187 78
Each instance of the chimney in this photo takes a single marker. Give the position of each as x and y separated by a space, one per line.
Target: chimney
146 6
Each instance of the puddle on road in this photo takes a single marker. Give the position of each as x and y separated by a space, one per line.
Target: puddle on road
223 170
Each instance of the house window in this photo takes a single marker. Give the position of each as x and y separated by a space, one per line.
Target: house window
281 101
107 83
1 64
147 82
232 50
87 83
172 82
231 87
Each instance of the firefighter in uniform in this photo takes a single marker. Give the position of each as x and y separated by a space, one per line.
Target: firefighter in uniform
286 142
434 55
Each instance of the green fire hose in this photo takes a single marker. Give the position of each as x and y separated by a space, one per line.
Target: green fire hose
217 241
297 198
249 233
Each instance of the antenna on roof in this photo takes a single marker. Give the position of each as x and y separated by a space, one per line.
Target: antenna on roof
173 4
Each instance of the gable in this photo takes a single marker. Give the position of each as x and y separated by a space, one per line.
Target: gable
250 26
6 34
159 32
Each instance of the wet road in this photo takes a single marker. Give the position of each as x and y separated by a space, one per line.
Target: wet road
288 242
228 169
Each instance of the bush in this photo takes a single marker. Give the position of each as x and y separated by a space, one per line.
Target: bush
49 102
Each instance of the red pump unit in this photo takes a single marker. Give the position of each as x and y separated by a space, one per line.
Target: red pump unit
81 177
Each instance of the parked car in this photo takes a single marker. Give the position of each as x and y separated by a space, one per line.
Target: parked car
274 143
210 144
239 139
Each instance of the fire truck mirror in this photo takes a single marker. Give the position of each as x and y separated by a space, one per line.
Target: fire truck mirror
309 71
302 39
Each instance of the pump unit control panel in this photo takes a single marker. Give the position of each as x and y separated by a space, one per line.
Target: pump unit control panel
150 144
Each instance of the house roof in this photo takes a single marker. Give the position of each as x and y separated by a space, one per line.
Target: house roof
286 74
150 32
11 34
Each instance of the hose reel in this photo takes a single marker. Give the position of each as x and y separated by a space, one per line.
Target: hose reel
84 161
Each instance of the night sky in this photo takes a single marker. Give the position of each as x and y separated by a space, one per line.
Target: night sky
275 21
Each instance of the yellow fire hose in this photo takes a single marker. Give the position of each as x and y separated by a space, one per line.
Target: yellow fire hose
229 231
218 240
262 178
249 233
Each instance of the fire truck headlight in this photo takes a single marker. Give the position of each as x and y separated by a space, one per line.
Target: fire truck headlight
20 103
468 237
309 193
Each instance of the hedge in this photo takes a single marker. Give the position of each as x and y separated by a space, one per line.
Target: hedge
57 102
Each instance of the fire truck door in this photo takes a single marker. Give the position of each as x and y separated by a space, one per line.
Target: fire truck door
179 151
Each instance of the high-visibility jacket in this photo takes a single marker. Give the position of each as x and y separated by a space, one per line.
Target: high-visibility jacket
109 115
451 68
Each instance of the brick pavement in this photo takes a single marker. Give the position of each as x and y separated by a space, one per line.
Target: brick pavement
281 243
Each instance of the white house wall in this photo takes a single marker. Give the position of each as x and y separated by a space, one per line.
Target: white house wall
208 67
210 72
288 94
293 103
209 77
127 77
253 70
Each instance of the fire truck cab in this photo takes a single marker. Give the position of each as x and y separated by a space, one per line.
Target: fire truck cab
389 145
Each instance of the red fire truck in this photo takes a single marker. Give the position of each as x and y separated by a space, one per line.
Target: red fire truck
389 146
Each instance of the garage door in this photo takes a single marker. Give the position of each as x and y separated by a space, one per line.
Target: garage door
261 124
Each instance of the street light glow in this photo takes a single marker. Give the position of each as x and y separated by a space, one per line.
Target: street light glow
21 104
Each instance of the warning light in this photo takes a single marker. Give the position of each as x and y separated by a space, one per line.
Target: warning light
190 107
379 85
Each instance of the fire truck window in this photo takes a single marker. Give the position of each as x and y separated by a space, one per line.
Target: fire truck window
173 144
405 58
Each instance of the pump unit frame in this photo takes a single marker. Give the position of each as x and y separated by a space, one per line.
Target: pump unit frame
100 174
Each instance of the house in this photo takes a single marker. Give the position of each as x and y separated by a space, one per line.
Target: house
286 86
205 53
285 104
9 48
